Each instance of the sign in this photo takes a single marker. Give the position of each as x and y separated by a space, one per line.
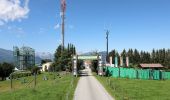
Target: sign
88 57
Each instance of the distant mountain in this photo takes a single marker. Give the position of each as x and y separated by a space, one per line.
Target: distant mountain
102 53
92 53
44 55
7 56
37 60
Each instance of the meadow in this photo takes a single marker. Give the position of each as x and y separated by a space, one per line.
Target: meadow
56 87
136 89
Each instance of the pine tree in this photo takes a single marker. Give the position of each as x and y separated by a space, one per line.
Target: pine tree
130 55
136 57
123 54
112 54
63 59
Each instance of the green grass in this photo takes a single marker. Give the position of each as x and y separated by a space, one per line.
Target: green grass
134 89
61 88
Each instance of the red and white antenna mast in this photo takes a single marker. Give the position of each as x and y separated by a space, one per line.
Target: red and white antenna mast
63 9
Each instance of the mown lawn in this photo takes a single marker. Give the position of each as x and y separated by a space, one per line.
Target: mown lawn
135 89
55 88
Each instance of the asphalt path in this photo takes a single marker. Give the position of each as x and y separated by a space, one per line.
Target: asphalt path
89 88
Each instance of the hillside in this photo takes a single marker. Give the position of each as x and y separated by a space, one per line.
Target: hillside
6 56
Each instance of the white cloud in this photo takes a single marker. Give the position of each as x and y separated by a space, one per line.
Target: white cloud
57 26
11 10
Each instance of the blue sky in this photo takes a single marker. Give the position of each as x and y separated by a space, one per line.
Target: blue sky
141 24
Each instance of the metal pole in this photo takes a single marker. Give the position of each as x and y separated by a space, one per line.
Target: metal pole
63 8
107 44
63 31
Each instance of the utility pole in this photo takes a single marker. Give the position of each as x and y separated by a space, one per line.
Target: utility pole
107 44
63 9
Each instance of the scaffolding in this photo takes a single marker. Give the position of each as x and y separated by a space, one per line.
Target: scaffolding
24 57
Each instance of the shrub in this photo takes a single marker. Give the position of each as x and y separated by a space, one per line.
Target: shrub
20 74
35 70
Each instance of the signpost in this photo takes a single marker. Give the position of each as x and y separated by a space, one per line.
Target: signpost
121 61
75 65
100 68
116 62
127 61
111 61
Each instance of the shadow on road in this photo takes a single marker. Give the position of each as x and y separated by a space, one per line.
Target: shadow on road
84 73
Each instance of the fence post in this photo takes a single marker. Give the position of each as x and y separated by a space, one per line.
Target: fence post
11 80
34 80
119 72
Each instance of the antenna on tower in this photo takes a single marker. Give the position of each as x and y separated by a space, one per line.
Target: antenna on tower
107 41
63 9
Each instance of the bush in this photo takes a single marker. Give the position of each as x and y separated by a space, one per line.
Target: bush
35 70
20 74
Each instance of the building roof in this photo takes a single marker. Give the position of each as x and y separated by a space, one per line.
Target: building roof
151 65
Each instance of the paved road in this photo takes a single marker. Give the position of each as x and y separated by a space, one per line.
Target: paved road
89 88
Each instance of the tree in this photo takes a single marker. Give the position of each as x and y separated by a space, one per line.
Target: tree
113 55
94 65
167 59
57 54
153 56
136 57
43 61
1 71
123 54
130 55
80 65
5 70
63 59
35 70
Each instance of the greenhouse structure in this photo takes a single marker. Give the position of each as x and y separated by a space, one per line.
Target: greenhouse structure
24 57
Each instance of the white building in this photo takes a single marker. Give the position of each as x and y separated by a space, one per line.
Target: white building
46 66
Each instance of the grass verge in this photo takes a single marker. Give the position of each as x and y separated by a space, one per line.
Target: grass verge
135 89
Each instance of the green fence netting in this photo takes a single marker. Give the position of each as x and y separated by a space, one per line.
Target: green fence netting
156 75
136 73
166 75
143 74
127 73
